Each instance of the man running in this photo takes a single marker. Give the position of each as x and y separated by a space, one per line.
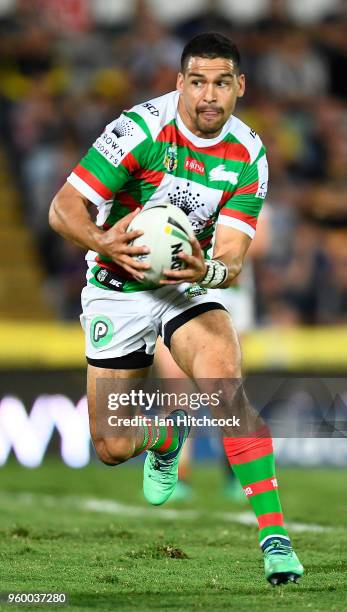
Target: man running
185 147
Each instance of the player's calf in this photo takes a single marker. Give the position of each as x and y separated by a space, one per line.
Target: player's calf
160 473
113 451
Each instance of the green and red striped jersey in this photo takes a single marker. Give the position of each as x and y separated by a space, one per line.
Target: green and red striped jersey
148 155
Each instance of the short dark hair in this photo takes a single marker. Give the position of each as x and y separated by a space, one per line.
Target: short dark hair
210 45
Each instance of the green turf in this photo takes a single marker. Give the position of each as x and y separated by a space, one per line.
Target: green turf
134 560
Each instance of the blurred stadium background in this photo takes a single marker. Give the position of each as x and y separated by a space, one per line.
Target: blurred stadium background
70 66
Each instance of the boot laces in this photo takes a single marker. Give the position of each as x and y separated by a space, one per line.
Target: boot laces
276 547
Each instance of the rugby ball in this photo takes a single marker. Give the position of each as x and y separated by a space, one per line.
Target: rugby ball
167 230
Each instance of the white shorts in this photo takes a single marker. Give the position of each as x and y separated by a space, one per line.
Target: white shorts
121 329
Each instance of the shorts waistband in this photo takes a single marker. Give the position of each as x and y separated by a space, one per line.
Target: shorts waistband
110 279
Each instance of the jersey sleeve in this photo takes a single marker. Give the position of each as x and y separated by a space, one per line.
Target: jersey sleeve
114 156
240 209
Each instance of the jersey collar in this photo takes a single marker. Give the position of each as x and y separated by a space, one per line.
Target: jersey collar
202 142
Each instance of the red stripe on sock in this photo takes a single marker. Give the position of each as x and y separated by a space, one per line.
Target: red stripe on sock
261 486
151 430
140 450
270 519
167 441
243 450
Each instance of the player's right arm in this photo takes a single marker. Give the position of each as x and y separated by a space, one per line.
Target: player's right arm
97 178
69 217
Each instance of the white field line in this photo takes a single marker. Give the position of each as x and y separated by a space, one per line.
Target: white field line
115 508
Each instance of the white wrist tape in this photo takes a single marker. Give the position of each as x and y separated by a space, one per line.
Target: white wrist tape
216 274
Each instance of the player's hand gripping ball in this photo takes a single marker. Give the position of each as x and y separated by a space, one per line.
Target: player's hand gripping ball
167 231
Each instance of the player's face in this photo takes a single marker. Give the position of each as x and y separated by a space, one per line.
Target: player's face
209 89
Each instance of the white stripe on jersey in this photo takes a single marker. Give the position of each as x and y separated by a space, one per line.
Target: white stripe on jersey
247 137
237 224
85 189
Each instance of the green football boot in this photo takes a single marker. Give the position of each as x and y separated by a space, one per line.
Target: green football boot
160 472
280 561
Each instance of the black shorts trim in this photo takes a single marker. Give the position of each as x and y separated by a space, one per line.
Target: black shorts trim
132 361
186 316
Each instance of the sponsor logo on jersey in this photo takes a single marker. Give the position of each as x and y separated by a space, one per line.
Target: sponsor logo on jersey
170 158
194 291
152 109
219 173
117 132
194 165
111 142
263 173
116 283
108 146
101 331
262 190
108 279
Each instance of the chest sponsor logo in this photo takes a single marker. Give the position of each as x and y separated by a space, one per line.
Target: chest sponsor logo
219 173
170 158
194 165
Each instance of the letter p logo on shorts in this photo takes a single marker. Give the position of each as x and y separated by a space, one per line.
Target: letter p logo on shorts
101 331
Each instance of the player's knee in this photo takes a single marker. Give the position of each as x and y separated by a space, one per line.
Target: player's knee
218 368
113 451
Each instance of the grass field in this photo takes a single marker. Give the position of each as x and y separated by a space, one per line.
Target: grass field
90 534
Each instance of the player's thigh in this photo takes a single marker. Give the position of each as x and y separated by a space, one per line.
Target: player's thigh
99 378
164 364
207 346
207 349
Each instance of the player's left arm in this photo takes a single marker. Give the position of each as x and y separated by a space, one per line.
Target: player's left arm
238 217
230 248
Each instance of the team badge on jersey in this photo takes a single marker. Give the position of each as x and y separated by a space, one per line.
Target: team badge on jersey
170 159
219 173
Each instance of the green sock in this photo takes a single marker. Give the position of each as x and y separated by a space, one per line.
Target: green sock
253 462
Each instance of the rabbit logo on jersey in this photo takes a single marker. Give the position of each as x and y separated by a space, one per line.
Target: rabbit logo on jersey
219 173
